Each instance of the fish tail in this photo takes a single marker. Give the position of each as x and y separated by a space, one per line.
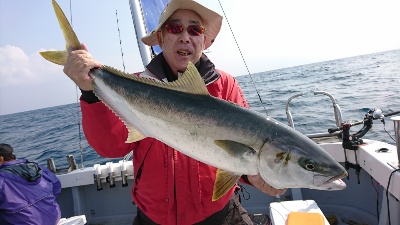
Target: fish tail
71 40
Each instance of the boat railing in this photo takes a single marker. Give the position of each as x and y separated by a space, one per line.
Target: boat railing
336 109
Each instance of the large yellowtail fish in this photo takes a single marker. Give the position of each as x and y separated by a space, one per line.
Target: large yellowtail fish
185 116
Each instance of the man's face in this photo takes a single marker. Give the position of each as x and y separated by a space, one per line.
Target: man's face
179 49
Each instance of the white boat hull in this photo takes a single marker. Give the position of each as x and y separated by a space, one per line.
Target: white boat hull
361 201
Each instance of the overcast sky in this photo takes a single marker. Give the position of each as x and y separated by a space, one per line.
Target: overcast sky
270 34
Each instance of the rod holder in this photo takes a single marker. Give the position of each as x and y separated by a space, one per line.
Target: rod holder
124 173
51 165
97 177
71 163
110 177
396 121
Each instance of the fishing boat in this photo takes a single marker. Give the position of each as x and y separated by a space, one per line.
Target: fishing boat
101 194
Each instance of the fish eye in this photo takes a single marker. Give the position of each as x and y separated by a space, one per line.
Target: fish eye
307 164
310 165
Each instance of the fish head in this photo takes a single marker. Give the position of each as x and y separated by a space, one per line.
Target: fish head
297 162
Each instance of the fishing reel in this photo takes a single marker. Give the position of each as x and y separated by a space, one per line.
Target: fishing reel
352 141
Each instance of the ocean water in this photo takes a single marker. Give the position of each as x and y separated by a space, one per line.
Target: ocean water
358 84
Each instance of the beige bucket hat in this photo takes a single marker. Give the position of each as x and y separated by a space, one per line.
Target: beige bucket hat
212 21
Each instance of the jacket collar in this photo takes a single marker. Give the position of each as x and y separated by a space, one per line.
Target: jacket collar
29 171
159 67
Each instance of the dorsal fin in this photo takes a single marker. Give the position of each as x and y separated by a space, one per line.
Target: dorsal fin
189 82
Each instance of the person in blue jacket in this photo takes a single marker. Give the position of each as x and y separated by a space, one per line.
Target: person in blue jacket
27 191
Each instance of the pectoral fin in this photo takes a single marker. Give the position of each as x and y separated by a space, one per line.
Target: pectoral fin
235 148
223 183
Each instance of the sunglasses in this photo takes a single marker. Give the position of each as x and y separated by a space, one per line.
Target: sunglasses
176 28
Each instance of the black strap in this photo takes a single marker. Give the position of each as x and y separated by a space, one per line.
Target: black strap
242 189
139 173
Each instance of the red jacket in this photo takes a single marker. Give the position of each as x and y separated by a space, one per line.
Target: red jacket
172 188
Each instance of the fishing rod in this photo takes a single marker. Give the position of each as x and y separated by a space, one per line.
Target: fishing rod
70 158
120 42
244 61
372 114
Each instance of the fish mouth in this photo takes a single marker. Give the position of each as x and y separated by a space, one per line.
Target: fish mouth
338 177
333 183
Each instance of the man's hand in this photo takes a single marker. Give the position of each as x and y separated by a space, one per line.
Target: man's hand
77 68
263 186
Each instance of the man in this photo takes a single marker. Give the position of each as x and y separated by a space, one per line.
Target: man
170 188
27 191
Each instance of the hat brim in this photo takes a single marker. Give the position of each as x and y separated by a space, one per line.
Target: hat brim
212 21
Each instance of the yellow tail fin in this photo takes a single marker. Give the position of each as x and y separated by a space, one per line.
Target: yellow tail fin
71 40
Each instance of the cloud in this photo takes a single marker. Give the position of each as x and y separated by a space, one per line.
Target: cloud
29 82
17 68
